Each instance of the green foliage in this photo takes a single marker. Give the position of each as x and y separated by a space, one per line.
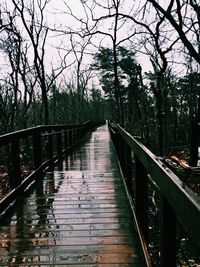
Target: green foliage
103 60
127 62
104 63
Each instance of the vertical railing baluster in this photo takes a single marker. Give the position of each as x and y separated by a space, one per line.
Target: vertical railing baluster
115 140
75 135
119 147
141 197
15 172
50 145
59 142
86 130
70 137
168 235
128 167
78 134
37 148
65 139
121 152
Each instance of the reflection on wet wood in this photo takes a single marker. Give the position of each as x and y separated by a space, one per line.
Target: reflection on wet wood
77 216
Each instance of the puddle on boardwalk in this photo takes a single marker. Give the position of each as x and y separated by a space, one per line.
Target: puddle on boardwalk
77 214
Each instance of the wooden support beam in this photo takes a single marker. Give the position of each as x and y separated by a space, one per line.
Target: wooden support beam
37 148
15 171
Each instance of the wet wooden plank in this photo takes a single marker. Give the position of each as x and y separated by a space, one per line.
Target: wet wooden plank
75 227
65 234
76 259
77 216
69 214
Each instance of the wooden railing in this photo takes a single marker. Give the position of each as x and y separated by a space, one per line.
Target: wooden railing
42 145
177 202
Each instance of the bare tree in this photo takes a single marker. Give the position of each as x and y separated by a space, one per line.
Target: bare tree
29 81
11 45
37 33
92 25
184 16
154 41
83 74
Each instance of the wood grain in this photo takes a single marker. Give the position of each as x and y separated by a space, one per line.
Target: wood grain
77 215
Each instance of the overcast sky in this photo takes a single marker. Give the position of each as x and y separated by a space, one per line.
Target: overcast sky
57 17
57 9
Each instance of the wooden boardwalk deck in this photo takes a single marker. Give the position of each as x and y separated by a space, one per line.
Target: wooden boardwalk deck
77 216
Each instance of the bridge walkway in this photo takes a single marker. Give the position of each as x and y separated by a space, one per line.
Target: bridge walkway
77 215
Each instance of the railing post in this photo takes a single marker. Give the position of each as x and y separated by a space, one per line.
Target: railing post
141 197
15 173
81 132
59 142
128 167
37 148
65 139
119 148
78 137
75 135
50 145
70 134
121 151
168 235
114 139
86 130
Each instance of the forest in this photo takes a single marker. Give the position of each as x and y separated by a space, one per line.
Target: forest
133 62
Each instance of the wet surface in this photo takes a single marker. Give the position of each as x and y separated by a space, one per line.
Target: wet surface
77 216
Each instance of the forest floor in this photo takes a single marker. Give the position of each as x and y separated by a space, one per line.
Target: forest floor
178 163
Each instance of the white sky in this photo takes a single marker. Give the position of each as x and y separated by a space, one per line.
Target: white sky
58 7
55 17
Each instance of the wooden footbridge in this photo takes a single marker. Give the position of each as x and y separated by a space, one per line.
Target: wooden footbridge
81 205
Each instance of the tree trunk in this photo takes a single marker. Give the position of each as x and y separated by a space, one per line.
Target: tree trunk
157 89
45 103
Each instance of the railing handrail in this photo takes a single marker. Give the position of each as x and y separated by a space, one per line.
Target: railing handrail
6 138
66 137
184 202
176 200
